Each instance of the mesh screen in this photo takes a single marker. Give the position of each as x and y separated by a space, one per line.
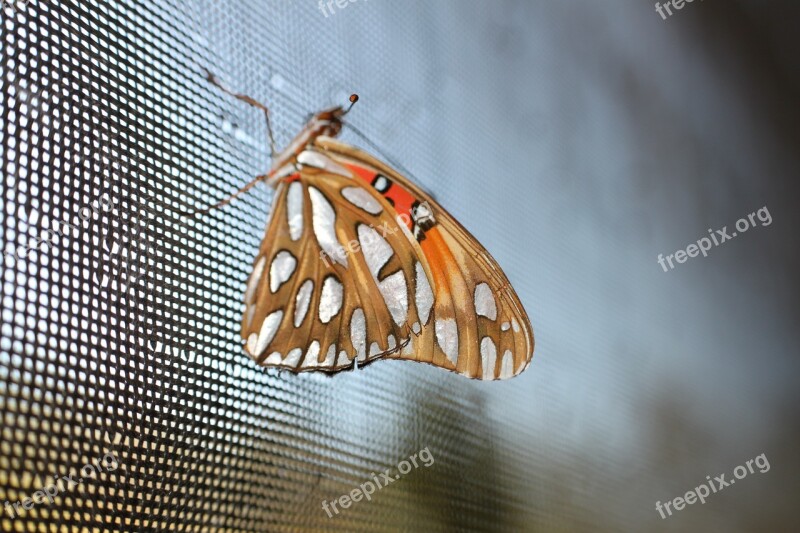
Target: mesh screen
122 376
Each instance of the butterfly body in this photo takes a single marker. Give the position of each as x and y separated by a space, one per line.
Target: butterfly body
359 264
325 123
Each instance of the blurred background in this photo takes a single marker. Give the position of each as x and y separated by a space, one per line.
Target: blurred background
576 140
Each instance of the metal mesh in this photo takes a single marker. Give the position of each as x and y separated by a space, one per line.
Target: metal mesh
121 364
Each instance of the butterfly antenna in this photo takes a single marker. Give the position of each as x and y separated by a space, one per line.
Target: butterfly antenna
353 100
248 100
226 201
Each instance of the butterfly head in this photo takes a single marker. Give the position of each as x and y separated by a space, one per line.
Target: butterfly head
329 121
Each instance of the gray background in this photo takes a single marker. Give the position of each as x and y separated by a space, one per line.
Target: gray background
576 140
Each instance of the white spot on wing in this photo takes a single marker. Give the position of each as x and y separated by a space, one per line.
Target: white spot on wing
505 326
251 344
252 283
274 359
358 332
391 342
311 158
362 199
294 210
281 270
330 356
268 329
395 294
324 221
515 325
484 301
423 213
293 357
447 337
330 301
381 183
488 358
374 349
376 250
507 368
302 302
312 355
415 328
424 294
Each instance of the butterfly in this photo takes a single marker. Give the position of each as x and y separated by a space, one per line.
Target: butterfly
359 264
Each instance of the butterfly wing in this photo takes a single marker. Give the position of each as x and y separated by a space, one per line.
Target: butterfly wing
336 276
477 325
340 276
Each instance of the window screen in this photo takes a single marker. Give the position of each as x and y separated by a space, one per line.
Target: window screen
573 139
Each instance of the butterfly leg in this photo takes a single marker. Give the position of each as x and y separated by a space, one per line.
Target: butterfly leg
248 100
227 200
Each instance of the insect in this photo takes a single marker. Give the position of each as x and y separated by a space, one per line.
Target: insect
358 264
